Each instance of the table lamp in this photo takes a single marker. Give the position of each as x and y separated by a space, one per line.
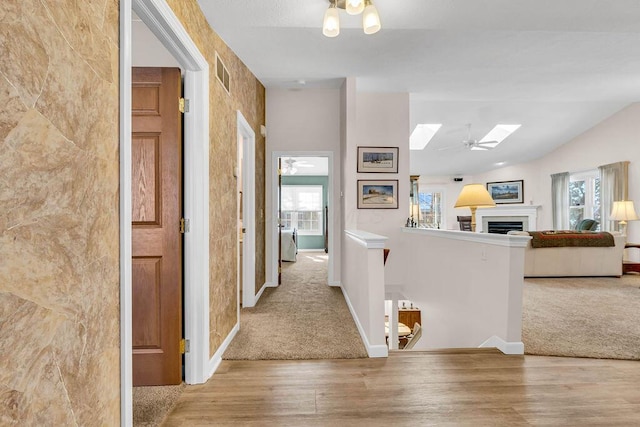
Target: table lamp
474 196
623 211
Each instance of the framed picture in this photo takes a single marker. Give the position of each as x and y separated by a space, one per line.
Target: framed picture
381 194
378 159
506 191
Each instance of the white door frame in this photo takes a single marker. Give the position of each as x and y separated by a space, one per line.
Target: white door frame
274 211
161 20
247 139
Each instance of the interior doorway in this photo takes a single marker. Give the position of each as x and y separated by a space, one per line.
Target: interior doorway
161 20
303 206
246 213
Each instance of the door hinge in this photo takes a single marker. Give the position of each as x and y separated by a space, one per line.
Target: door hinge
279 269
184 346
279 172
183 226
183 105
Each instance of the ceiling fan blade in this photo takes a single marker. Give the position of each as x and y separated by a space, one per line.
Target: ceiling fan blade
480 148
488 142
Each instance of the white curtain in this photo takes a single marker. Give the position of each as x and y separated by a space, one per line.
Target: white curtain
560 200
614 179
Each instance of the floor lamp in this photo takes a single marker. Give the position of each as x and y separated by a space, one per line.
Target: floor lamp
474 196
623 211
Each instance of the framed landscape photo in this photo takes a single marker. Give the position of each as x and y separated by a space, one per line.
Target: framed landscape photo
378 159
382 194
506 191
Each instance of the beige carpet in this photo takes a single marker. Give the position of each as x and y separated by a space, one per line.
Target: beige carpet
582 317
151 405
303 318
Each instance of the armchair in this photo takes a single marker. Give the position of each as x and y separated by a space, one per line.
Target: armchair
587 225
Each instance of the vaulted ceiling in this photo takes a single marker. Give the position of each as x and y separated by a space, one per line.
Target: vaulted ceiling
556 67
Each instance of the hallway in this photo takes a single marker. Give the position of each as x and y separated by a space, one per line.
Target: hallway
303 318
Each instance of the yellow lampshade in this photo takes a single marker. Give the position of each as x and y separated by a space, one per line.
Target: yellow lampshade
623 210
474 195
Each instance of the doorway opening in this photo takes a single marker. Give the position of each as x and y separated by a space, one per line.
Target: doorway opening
161 20
246 214
302 201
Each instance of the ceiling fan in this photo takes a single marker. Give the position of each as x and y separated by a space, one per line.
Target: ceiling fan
473 144
291 165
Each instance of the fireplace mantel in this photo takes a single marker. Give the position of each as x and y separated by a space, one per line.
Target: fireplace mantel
528 211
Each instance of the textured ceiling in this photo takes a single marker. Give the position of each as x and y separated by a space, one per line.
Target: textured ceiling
556 67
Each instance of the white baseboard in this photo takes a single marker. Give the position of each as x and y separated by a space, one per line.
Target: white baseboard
372 350
504 346
259 294
215 361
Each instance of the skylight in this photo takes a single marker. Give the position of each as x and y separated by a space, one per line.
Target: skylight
498 134
422 134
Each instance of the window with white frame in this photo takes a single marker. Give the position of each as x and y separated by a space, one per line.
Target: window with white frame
302 208
431 201
584 197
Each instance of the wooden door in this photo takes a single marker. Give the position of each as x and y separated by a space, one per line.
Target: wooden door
157 241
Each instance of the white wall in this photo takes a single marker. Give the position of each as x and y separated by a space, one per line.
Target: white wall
147 50
381 120
468 287
363 288
300 121
613 140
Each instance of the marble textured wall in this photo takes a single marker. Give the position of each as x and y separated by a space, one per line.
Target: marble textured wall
59 241
248 96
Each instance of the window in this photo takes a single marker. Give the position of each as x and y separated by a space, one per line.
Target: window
302 208
431 203
584 197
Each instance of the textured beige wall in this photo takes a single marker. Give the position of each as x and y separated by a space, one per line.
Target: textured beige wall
59 235
248 96
59 268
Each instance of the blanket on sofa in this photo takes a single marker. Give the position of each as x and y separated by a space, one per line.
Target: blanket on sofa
560 238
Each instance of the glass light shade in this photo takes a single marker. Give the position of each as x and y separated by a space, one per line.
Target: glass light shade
331 24
355 7
474 195
623 210
370 18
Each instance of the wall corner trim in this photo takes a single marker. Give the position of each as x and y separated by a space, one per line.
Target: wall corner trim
503 346
368 240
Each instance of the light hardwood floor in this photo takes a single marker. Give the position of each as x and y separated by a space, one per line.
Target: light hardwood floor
476 388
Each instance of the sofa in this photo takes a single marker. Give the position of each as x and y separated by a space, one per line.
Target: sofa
574 261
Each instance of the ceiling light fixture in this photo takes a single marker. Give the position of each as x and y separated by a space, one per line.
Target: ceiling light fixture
370 18
355 7
331 24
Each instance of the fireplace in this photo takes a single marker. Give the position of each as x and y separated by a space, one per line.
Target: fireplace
503 219
503 227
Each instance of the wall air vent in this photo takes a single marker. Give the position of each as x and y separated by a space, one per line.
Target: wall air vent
222 73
